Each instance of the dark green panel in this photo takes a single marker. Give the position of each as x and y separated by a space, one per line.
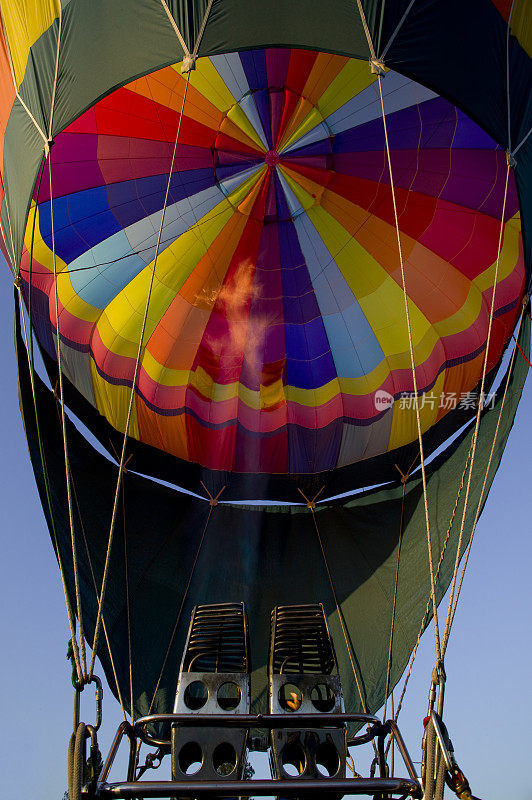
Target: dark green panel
37 86
23 150
334 26
262 555
189 15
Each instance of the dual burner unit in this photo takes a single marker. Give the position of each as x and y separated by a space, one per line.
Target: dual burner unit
215 679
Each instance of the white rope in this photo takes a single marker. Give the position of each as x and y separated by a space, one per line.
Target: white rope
202 29
70 615
311 505
132 395
14 79
93 576
414 379
394 605
479 412
213 502
63 429
176 29
452 610
16 268
56 72
366 30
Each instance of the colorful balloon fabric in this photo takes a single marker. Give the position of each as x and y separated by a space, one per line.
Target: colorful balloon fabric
276 337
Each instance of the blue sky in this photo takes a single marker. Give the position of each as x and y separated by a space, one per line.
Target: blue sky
488 697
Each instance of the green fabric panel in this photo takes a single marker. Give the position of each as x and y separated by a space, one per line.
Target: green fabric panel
23 150
106 43
262 555
36 87
312 24
188 15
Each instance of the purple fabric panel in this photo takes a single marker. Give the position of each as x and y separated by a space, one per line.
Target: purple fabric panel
276 100
283 212
277 62
125 159
254 65
433 124
470 178
131 201
309 361
74 166
40 316
314 450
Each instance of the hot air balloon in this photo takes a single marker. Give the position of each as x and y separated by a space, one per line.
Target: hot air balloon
273 261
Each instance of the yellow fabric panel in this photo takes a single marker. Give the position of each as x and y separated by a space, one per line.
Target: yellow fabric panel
307 192
25 21
268 396
206 79
310 121
66 293
324 71
353 79
521 24
167 89
125 312
508 258
113 402
465 316
379 296
301 112
237 116
272 395
404 421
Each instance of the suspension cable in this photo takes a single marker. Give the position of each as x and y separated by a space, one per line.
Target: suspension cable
414 379
132 394
31 362
68 602
481 498
440 562
64 434
311 505
213 502
94 583
479 412
394 604
128 605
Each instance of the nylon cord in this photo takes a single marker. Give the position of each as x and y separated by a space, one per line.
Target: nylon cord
128 606
70 612
132 395
176 29
104 626
183 599
479 506
310 506
479 411
64 434
414 380
394 604
427 609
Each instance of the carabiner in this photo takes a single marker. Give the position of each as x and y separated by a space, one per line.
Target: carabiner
80 685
